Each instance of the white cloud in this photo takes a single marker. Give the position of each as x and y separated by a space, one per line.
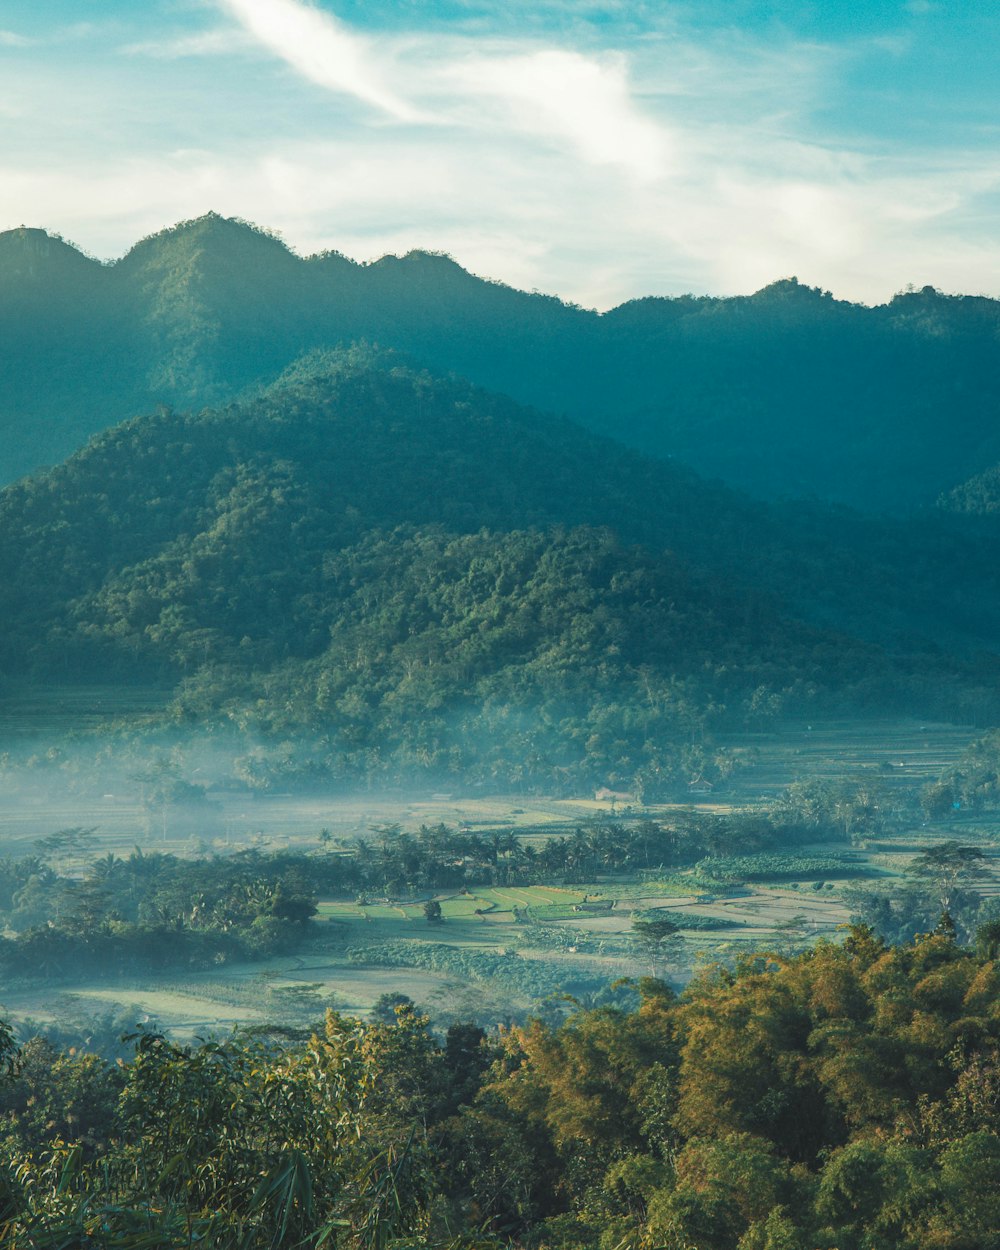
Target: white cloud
10 39
320 48
728 219
859 226
551 94
562 95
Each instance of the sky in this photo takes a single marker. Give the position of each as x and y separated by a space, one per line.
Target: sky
599 150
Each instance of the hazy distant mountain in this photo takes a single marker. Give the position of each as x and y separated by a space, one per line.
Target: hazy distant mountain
428 572
786 393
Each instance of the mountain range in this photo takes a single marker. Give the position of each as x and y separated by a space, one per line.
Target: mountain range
787 393
428 576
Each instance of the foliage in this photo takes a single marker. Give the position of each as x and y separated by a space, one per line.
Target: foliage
693 920
972 785
533 979
775 867
149 912
843 1097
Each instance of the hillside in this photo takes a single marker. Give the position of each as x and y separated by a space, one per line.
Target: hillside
786 393
436 579
979 496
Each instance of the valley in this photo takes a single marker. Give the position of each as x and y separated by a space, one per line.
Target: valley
549 805
500 951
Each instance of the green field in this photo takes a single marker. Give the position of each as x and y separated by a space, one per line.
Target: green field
497 948
486 965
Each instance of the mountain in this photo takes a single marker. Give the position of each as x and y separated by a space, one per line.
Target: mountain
435 579
786 393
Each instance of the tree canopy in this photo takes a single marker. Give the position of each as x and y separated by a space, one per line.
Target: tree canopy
846 1097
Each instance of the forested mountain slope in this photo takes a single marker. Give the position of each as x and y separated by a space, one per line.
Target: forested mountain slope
979 496
439 579
785 393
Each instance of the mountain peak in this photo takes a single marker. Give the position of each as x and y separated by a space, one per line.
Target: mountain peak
421 265
26 236
221 234
792 289
30 252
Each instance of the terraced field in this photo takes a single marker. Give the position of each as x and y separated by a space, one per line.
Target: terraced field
902 753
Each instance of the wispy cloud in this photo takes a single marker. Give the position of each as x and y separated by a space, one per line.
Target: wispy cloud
321 48
221 42
10 39
551 94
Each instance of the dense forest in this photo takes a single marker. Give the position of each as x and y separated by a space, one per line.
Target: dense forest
785 393
432 581
845 1098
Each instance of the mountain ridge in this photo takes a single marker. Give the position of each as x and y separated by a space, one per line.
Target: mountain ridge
783 393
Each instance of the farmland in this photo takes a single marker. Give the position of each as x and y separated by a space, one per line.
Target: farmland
496 953
501 949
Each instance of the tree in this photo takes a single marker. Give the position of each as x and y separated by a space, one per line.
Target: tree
988 939
651 932
947 868
386 1007
432 910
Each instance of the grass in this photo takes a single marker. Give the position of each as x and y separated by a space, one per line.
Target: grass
495 903
673 885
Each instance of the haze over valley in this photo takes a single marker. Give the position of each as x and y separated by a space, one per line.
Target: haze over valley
480 771
358 580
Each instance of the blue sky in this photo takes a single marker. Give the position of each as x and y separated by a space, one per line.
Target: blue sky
597 150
